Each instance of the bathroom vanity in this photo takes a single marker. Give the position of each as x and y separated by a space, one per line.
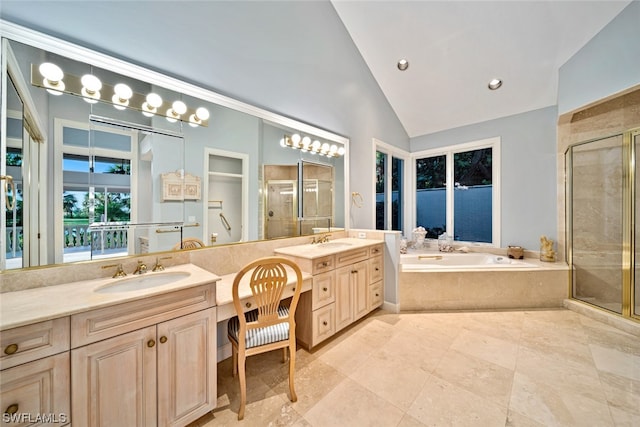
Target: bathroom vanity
102 352
347 284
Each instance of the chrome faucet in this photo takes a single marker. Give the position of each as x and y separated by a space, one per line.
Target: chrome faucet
141 268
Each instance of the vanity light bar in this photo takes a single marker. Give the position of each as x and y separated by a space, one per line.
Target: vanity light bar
304 144
50 77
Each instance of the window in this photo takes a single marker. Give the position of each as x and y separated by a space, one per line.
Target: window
457 191
390 182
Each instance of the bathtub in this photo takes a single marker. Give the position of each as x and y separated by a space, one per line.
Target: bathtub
479 281
454 262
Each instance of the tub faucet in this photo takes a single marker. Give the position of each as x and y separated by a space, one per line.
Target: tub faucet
141 268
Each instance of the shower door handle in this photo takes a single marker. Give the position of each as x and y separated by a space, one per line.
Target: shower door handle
9 187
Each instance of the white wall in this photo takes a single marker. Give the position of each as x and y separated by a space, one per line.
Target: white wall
528 170
609 63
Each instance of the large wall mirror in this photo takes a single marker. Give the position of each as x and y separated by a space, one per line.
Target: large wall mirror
103 173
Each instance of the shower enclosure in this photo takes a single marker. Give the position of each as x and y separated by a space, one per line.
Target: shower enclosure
602 204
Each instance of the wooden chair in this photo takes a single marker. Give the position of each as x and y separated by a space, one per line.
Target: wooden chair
268 327
189 243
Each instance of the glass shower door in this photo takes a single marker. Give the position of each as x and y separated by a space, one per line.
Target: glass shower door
596 221
635 290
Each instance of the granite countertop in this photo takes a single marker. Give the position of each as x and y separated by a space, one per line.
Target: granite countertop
21 308
318 250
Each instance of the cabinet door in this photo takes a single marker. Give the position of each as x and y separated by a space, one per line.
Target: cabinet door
360 286
344 294
113 382
323 292
39 388
186 368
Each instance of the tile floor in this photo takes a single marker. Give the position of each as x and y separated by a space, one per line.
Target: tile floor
509 368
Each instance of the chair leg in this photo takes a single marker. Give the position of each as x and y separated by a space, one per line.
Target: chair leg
234 358
243 384
292 369
284 354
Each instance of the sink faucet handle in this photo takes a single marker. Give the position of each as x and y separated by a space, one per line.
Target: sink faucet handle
158 266
119 272
141 268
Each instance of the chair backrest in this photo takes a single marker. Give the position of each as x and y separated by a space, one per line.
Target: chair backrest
267 283
189 243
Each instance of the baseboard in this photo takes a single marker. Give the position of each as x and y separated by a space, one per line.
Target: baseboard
389 306
627 325
224 352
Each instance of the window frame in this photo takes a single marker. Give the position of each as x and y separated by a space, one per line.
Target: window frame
405 156
494 143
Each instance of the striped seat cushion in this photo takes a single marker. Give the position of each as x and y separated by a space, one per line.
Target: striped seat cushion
260 336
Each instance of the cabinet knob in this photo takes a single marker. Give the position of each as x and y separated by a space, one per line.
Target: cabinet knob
163 339
377 269
151 343
325 289
11 348
354 271
377 295
325 323
248 305
11 409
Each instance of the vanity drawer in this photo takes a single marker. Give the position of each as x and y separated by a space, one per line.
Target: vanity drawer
375 250
41 387
326 263
376 268
376 296
102 323
351 257
324 324
31 342
324 289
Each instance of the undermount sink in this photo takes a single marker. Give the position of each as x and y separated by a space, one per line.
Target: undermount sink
143 282
334 245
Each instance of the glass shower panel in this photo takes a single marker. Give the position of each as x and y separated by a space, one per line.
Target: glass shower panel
635 291
596 222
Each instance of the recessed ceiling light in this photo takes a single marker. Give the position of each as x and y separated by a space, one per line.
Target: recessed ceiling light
403 64
495 84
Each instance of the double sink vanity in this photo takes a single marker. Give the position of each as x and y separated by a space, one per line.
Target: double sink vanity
142 350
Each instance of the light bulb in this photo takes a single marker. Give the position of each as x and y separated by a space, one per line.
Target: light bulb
316 145
202 113
53 76
282 143
179 107
295 138
91 86
341 151
121 96
123 91
150 106
171 116
306 141
325 147
333 148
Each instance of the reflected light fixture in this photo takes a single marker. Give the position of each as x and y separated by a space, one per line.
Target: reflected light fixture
150 106
121 96
91 86
53 76
295 141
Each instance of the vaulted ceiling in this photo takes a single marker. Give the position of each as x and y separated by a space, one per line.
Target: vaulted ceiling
455 48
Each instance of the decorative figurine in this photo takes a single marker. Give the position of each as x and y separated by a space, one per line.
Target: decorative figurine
546 250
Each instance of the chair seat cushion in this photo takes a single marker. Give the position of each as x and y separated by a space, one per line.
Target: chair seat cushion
260 336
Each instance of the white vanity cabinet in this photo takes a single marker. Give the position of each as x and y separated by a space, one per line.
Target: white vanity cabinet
34 381
347 285
145 363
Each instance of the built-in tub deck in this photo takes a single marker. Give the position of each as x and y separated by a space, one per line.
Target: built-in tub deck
431 281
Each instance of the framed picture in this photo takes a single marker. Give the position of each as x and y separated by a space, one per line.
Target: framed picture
175 186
